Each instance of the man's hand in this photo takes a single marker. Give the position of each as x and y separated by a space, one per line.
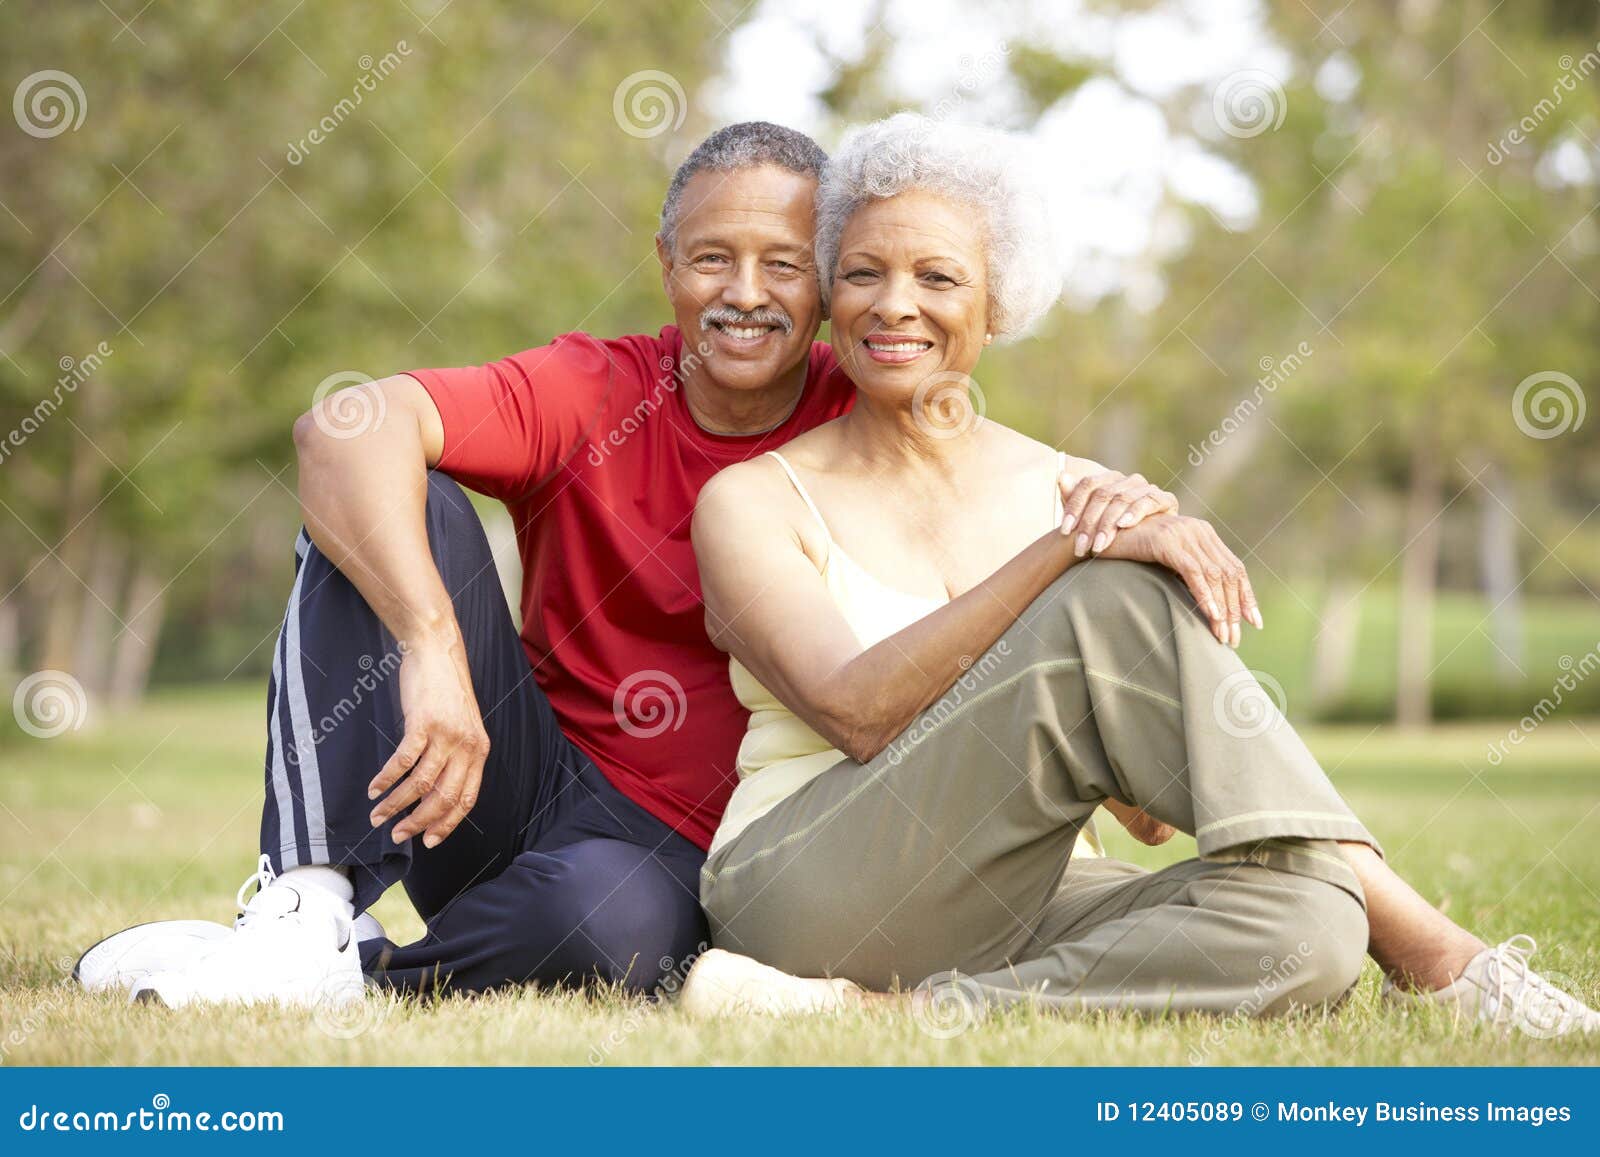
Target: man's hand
440 759
1141 825
1191 549
1099 505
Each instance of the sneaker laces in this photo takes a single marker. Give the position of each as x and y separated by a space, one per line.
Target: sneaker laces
1515 987
267 900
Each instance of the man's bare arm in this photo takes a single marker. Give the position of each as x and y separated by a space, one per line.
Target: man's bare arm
364 498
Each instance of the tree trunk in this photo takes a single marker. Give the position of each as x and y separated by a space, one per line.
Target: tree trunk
1419 570
145 610
70 558
1333 650
97 624
1497 564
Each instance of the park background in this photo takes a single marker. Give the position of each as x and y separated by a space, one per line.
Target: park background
1334 280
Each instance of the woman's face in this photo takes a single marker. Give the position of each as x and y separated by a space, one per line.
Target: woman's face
910 292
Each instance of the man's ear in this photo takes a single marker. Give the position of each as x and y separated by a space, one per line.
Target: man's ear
664 255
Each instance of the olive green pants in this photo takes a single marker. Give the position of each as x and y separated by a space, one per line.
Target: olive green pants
946 859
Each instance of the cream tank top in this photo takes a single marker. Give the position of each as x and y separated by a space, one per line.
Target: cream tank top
780 753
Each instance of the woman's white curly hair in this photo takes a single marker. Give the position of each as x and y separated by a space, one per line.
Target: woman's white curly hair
983 168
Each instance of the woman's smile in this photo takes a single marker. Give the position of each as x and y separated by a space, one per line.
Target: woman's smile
895 349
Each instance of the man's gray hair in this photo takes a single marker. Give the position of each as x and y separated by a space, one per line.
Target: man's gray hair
983 168
742 146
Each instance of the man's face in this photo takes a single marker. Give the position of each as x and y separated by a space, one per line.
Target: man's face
741 274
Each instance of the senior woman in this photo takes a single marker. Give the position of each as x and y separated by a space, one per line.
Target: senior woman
947 675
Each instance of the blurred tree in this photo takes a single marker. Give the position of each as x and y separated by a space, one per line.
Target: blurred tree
257 199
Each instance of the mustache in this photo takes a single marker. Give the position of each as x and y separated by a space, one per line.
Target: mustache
727 315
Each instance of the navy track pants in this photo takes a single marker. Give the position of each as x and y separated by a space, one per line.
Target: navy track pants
554 877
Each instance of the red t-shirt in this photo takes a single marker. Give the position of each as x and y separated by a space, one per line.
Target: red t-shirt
591 446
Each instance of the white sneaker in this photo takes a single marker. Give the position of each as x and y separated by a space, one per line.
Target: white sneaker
127 957
1497 986
290 945
722 983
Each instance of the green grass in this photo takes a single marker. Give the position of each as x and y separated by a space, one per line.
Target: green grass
1464 656
154 815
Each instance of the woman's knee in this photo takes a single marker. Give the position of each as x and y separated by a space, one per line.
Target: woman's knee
1321 943
1105 591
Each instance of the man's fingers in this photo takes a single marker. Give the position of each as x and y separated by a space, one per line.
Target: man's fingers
416 785
409 751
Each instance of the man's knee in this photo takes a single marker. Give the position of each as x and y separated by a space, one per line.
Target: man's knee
614 913
456 535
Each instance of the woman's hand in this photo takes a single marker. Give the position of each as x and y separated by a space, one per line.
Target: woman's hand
1191 549
1100 504
1141 825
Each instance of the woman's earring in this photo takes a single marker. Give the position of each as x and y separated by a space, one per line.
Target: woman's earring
987 338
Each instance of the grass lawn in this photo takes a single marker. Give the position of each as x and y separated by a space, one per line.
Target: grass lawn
154 815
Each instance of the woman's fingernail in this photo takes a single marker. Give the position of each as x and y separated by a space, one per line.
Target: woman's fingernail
1126 520
1211 609
373 793
1083 545
1255 617
1068 523
430 841
1101 541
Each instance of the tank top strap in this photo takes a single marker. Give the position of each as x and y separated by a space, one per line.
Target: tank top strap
804 495
1056 503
